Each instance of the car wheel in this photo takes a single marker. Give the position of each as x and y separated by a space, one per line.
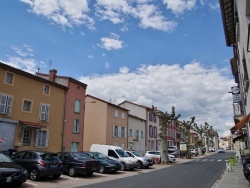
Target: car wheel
56 176
34 175
90 173
72 172
123 167
102 170
140 164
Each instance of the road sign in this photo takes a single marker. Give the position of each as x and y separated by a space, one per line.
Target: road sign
2 140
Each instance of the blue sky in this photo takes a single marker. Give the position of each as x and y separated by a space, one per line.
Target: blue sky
162 52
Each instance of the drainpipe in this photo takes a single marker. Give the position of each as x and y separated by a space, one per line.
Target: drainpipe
64 121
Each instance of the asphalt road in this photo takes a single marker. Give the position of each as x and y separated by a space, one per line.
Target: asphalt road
201 172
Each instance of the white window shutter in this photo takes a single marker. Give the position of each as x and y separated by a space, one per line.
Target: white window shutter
113 131
119 131
47 138
125 132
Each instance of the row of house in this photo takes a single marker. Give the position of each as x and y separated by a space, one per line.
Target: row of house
236 22
52 112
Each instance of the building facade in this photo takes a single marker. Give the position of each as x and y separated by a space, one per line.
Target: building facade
73 124
31 111
236 22
105 123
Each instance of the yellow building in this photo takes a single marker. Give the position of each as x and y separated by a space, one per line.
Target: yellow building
31 111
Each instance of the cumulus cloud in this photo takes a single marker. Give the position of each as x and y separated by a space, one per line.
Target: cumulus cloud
193 89
179 6
63 12
112 42
214 6
23 59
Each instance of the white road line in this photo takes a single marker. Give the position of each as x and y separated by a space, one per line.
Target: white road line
211 159
204 159
31 183
68 177
219 160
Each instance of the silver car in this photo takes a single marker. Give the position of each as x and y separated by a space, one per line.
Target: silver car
142 160
157 154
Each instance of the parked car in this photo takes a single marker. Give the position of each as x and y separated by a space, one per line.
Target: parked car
107 164
11 173
172 149
142 160
39 163
194 152
210 149
116 153
78 163
175 153
221 150
157 154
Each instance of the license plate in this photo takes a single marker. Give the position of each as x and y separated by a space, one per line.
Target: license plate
93 168
53 166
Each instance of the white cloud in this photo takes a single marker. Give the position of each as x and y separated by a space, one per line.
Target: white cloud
62 12
107 65
214 6
23 59
179 6
193 89
151 18
111 43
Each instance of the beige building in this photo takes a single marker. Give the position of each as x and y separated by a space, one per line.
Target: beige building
136 134
104 123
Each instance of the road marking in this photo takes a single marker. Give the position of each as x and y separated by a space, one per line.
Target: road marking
204 159
219 160
31 183
211 159
68 177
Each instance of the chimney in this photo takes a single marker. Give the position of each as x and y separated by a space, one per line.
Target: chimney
52 75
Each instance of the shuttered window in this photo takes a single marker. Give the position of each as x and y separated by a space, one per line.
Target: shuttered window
5 104
42 138
44 112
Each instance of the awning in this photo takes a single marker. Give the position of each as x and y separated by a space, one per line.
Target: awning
241 137
32 124
241 123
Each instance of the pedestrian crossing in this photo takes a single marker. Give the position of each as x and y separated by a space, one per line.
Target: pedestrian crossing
219 160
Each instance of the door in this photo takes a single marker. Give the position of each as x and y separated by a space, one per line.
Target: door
7 135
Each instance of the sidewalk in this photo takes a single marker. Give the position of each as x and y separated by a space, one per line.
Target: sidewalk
233 179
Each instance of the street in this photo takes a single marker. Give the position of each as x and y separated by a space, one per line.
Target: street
198 172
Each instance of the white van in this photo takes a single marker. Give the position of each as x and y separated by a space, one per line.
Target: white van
116 153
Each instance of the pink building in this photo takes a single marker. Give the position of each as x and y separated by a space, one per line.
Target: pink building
73 122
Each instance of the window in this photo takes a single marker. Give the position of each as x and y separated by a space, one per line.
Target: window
76 126
42 138
44 112
74 146
123 115
141 134
5 104
46 89
26 136
77 106
131 132
115 131
123 132
150 131
27 105
155 132
152 117
116 113
137 135
9 79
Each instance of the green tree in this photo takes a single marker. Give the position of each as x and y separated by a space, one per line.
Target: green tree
185 127
200 130
164 120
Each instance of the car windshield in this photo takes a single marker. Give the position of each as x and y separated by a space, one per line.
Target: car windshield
5 158
101 156
121 153
136 154
81 156
50 156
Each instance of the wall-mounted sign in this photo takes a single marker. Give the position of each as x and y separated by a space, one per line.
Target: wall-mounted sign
2 140
183 146
236 94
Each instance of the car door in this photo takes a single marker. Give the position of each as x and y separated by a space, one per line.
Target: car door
29 160
18 158
65 161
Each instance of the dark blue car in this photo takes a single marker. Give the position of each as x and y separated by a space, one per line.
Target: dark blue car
107 165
